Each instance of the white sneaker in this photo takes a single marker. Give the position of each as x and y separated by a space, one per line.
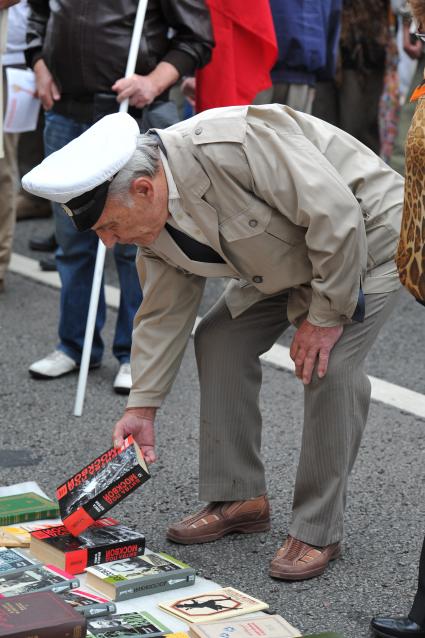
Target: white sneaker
56 364
122 382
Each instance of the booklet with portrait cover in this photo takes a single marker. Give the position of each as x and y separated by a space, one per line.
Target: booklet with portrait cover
140 576
39 615
103 483
13 561
273 626
105 541
87 603
38 578
136 623
214 605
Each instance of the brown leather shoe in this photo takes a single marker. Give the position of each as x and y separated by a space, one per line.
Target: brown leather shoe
298 561
218 519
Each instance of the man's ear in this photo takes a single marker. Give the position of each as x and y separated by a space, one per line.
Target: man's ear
142 186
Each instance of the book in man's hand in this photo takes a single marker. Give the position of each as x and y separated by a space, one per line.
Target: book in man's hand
38 578
28 506
88 604
137 623
40 615
103 483
214 605
273 626
12 561
105 541
140 576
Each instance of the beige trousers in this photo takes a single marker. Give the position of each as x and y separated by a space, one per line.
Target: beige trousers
335 412
8 184
298 96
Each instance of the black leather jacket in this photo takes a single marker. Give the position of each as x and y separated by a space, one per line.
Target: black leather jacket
85 43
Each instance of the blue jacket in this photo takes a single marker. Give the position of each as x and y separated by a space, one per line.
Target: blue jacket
307 34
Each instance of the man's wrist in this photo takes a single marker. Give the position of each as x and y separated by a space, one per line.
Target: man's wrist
144 412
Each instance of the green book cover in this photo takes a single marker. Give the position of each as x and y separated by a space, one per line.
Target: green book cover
29 506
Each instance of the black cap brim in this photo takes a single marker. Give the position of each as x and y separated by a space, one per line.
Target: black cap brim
86 209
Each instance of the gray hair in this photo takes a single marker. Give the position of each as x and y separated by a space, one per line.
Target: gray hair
143 163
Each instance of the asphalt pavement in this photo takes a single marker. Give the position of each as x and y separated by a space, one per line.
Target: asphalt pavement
384 523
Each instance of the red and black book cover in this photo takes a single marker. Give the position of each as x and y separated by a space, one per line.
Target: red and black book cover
41 614
105 541
103 483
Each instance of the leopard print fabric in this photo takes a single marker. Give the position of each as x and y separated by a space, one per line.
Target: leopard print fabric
410 256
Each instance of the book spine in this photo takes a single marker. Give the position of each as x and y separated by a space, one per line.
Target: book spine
23 517
77 560
124 592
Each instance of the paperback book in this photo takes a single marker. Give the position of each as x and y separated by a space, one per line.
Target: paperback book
26 507
265 626
41 578
105 541
140 576
40 615
19 535
137 623
87 603
12 561
217 604
96 488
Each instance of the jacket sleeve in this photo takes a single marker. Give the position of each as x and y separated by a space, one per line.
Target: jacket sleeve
191 39
295 178
38 17
162 327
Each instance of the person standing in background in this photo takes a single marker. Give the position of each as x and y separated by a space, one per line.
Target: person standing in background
8 146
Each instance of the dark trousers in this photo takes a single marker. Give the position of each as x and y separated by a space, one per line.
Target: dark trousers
417 612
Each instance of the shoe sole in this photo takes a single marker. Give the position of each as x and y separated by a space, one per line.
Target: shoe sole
248 528
47 377
119 390
306 574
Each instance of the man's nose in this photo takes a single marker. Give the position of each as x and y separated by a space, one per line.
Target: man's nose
107 238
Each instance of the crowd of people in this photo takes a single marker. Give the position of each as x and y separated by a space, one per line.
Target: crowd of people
236 193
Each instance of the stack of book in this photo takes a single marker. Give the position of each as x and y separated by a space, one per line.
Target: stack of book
41 594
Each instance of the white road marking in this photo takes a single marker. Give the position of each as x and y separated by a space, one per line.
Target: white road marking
389 393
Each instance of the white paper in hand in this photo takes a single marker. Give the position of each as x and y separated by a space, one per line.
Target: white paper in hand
22 106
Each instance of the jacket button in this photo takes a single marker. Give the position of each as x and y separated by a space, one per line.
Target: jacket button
257 279
198 130
253 223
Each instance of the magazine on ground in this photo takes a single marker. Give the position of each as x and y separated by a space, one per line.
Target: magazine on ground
130 625
39 578
105 541
140 576
100 485
87 603
214 605
13 561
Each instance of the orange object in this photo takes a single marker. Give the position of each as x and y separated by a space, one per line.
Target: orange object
418 92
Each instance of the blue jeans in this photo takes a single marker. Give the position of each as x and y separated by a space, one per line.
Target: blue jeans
75 260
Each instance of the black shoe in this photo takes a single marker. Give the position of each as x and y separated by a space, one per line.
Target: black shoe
44 244
48 264
386 627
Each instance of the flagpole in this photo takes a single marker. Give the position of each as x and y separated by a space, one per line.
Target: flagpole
101 249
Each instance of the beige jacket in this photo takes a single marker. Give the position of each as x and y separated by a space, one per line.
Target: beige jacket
291 203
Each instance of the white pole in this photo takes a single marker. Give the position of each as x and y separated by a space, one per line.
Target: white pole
101 250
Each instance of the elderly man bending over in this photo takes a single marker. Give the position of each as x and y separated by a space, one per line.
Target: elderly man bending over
304 220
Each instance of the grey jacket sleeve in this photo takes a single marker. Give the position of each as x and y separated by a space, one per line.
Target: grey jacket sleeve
162 327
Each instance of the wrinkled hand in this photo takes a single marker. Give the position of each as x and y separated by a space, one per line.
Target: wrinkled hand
188 88
140 423
309 343
47 90
139 89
